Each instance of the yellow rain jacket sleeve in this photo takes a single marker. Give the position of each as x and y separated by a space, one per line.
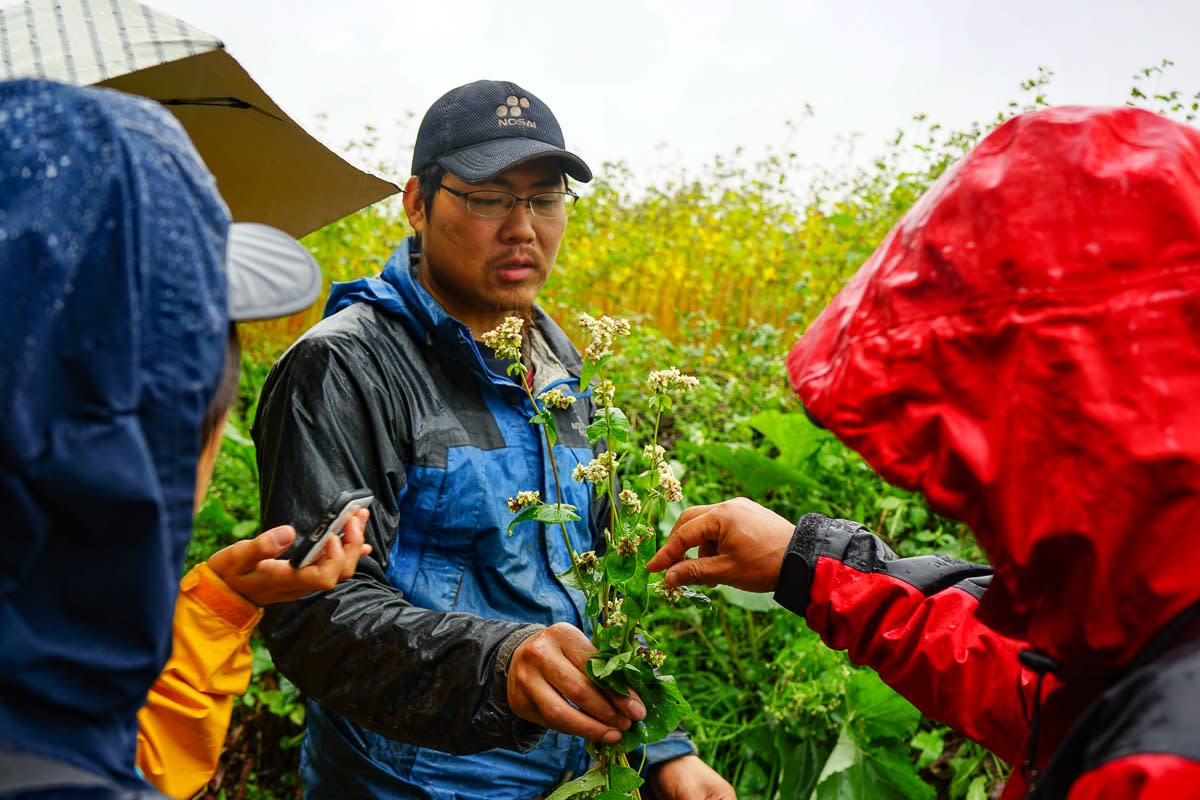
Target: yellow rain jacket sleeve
182 727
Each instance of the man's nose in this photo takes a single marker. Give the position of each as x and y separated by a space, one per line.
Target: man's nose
519 222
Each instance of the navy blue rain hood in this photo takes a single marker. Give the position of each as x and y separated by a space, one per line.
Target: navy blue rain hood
112 243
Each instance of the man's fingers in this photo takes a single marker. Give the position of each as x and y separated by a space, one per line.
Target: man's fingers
695 570
688 532
551 710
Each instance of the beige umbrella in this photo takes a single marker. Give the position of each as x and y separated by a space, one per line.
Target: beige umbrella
268 168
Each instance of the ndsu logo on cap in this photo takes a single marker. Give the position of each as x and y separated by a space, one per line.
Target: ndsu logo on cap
511 112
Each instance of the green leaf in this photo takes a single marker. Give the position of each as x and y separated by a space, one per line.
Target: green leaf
619 568
524 515
753 472
588 781
609 423
801 758
602 665
245 529
931 744
792 434
665 708
590 370
623 779
555 513
885 773
876 712
751 601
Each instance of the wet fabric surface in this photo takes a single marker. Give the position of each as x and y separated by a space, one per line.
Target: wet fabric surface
112 337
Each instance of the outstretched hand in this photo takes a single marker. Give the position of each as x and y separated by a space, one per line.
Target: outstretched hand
252 568
740 544
548 686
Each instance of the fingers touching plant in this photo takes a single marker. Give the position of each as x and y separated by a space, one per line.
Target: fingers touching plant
614 580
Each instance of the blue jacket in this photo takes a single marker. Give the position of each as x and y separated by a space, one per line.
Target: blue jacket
112 339
405 662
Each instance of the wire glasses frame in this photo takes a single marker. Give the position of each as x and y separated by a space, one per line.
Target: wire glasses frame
493 204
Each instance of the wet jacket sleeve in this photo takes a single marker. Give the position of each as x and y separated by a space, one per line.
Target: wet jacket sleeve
913 621
430 678
182 727
1139 777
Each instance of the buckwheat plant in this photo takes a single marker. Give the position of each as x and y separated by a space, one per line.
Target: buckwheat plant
617 587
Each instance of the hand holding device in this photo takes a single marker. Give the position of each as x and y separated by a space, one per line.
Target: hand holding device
308 549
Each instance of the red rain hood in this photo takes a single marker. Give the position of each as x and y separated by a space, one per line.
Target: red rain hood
1024 349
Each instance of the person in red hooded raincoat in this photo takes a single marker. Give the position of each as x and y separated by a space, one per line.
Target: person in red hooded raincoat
1024 349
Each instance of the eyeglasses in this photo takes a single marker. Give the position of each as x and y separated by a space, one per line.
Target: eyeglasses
493 204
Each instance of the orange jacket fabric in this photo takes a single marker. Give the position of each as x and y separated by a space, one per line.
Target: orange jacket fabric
182 727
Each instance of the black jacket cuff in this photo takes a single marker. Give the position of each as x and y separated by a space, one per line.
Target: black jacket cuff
795 576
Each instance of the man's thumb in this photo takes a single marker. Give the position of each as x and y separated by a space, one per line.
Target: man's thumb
273 542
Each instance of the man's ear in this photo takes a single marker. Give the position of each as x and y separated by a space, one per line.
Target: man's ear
414 205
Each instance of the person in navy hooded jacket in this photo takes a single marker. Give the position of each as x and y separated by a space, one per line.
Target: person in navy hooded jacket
122 275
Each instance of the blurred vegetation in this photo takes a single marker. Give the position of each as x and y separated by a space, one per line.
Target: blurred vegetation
720 275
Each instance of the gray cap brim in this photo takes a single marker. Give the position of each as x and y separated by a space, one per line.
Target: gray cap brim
487 160
269 273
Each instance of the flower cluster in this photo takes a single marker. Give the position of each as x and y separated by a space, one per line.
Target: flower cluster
663 380
654 453
598 470
604 393
613 615
631 501
654 658
588 560
672 594
524 500
672 489
602 331
554 398
505 339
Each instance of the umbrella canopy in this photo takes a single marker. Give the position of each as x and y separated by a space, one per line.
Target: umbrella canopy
268 168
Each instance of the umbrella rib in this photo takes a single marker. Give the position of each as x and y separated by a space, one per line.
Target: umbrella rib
224 102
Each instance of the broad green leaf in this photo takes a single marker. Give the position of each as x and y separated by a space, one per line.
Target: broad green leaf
555 513
801 759
245 528
619 568
751 601
665 707
623 779
613 794
609 423
524 515
876 712
590 370
792 434
754 472
589 781
887 774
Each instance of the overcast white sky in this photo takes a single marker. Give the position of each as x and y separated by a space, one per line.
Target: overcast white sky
677 83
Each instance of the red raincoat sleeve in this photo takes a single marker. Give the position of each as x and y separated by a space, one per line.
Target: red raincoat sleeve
913 621
1140 777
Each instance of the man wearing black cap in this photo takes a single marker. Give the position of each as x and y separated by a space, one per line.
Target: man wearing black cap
464 648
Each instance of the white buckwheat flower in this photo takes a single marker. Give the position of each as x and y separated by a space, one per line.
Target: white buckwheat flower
604 393
672 489
664 380
602 332
598 470
554 398
524 500
654 453
630 500
505 338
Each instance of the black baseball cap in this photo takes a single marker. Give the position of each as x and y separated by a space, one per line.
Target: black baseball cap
479 130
